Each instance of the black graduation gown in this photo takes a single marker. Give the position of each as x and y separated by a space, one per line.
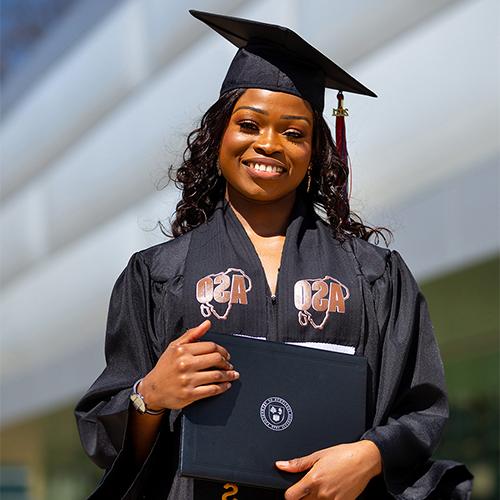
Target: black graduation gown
354 296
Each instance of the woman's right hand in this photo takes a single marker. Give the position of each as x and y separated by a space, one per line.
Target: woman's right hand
188 370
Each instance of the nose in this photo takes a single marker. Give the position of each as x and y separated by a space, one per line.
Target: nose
268 143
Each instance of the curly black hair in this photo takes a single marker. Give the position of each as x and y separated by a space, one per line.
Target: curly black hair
202 187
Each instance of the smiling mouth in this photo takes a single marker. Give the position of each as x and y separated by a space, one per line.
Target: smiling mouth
261 167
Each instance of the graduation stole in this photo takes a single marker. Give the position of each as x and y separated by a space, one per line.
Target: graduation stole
318 295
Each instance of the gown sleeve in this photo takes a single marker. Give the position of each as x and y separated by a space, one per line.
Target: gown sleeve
102 413
411 405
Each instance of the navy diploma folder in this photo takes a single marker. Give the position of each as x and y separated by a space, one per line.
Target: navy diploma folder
288 402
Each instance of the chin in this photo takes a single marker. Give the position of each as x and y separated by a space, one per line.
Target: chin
265 196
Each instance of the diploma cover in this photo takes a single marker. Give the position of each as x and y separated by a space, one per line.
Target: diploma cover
288 402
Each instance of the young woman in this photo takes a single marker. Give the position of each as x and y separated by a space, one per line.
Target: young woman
255 175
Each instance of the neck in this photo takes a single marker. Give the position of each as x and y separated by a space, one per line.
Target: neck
263 218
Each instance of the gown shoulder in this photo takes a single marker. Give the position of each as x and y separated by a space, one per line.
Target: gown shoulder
165 260
372 259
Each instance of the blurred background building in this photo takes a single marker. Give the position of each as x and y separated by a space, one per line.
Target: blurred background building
97 99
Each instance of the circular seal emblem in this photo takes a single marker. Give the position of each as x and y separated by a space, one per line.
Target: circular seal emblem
276 413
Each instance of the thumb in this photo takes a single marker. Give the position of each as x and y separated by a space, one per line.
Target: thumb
298 464
194 334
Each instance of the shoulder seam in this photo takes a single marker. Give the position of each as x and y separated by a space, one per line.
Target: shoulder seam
382 253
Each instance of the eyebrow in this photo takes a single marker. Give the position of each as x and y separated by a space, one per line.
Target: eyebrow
295 117
283 117
257 110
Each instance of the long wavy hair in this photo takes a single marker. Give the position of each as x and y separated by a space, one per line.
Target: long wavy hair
202 187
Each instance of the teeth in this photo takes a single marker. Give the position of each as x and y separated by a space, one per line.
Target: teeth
266 168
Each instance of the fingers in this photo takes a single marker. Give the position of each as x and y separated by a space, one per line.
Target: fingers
208 383
206 391
214 377
193 369
185 354
207 348
298 464
207 361
189 341
298 491
308 484
193 334
302 488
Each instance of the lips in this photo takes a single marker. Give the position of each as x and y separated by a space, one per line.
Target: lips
264 167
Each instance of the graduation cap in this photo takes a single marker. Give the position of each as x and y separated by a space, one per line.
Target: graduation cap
275 58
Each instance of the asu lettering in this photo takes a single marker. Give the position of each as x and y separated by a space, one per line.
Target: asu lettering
230 287
323 295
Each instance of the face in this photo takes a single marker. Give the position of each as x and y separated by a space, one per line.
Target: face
266 148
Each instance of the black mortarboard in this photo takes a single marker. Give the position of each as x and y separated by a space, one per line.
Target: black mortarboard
275 58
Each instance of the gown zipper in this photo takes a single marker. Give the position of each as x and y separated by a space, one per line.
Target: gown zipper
273 318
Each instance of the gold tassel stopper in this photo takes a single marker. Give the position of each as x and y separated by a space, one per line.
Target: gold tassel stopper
340 111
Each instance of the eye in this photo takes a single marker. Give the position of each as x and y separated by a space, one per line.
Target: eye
294 134
248 126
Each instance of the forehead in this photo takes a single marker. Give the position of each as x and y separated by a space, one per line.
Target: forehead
271 101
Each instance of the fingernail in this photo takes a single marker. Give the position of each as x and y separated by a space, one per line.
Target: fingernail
231 366
236 375
282 463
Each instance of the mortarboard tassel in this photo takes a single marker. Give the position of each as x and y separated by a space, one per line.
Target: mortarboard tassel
340 139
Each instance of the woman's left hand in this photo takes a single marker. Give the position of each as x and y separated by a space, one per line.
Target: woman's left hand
340 472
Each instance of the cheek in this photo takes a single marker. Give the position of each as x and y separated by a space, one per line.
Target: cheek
233 144
301 157
305 153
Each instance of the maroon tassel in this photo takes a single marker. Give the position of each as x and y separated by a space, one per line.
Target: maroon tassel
340 140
